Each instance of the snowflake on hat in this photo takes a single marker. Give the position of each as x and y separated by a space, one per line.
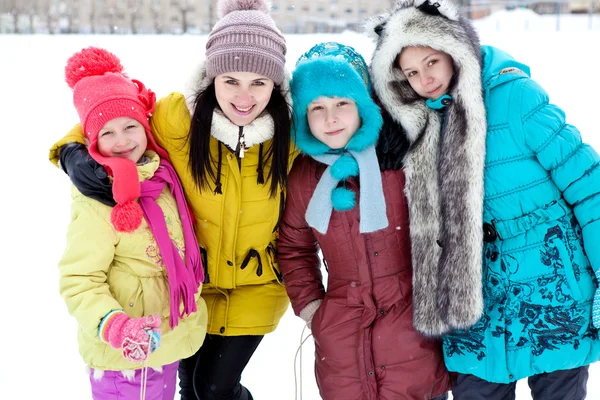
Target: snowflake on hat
102 92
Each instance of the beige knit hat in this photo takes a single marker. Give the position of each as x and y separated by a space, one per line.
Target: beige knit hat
245 39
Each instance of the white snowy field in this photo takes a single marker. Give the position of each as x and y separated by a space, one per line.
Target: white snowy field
39 357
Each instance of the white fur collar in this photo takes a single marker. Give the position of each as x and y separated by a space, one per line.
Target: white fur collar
258 131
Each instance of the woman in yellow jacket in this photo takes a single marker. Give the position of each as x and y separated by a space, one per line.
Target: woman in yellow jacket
131 273
230 146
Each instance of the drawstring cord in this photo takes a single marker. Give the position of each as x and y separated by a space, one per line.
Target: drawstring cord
273 255
260 179
252 253
143 380
144 375
298 356
144 370
218 189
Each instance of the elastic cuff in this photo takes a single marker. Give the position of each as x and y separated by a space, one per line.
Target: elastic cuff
105 323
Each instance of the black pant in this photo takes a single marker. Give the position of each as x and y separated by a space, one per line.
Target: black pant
558 385
215 371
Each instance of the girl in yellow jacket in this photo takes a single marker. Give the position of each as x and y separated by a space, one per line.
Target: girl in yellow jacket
131 273
230 146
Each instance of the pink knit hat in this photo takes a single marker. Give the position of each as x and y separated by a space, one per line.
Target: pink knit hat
245 39
102 92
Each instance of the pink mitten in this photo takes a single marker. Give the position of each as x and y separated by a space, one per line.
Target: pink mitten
137 337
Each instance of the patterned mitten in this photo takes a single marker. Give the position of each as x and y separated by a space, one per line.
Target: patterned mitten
596 304
308 312
136 337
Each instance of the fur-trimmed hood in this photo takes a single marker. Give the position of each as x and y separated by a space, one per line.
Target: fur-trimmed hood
445 161
408 24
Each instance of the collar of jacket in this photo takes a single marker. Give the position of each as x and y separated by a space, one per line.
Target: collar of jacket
258 131
147 169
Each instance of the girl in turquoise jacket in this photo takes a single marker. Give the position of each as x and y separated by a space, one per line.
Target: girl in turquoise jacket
507 204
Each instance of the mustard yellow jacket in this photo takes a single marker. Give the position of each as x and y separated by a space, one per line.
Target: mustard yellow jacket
102 270
248 301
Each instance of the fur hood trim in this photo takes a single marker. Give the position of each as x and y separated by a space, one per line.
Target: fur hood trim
444 170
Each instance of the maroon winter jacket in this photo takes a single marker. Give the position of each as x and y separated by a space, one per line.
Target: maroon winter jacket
366 345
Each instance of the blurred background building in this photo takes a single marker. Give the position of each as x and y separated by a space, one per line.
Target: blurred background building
198 16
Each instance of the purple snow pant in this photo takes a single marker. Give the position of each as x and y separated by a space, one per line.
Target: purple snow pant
114 386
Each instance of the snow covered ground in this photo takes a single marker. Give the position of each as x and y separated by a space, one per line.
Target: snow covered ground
39 355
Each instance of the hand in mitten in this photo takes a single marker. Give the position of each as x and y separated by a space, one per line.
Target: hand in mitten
87 175
308 312
136 337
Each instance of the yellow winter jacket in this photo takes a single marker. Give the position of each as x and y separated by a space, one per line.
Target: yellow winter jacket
229 226
232 227
103 270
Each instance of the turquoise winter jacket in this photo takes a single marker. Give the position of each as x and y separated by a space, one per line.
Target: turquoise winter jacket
542 212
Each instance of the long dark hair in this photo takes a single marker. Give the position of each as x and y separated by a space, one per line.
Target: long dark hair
200 161
392 145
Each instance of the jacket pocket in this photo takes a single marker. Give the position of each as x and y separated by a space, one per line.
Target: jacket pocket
335 325
569 271
566 258
128 291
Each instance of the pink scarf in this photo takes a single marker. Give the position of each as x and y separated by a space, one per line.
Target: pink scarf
184 278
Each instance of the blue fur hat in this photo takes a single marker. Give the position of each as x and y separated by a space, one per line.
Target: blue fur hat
333 70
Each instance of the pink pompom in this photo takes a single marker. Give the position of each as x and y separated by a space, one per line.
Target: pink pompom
126 217
226 6
89 62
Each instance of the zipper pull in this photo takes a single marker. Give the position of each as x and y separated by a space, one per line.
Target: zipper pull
241 142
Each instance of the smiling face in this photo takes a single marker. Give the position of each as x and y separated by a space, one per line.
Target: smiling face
243 96
428 71
333 120
123 137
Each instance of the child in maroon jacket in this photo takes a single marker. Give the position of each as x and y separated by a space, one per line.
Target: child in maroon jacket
340 201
